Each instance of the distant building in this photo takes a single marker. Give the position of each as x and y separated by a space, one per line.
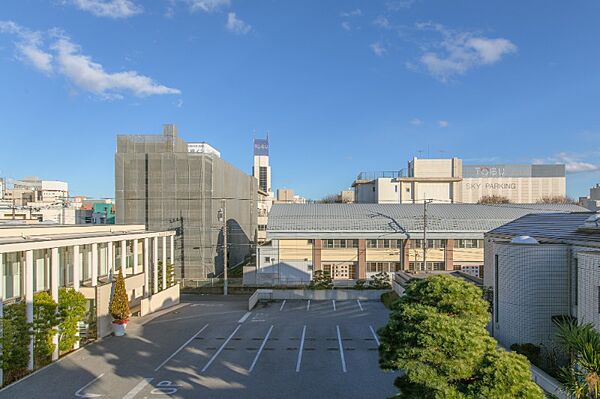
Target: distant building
542 267
593 201
96 211
261 170
203 148
356 241
287 196
347 197
449 181
162 185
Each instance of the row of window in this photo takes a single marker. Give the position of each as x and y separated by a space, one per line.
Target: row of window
388 267
340 243
418 266
433 244
384 243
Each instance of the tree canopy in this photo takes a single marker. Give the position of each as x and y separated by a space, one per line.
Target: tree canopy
437 336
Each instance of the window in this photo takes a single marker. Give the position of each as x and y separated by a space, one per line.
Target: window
262 178
341 243
384 243
469 244
373 189
396 188
262 227
371 243
431 244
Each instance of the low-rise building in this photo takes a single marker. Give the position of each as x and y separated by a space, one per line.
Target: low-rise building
449 181
542 267
86 258
592 202
356 241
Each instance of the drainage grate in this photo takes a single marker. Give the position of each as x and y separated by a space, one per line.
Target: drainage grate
211 349
220 338
309 349
227 348
349 349
236 339
256 339
369 339
346 339
373 349
292 349
331 339
198 337
269 349
332 349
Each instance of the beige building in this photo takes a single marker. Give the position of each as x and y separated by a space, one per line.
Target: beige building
356 241
449 181
86 258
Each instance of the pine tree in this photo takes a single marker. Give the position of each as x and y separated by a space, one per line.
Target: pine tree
119 307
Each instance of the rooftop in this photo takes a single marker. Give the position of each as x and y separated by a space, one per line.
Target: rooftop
398 220
551 227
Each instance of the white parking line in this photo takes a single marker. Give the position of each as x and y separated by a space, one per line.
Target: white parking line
180 348
375 335
260 349
138 388
282 305
308 305
301 349
333 301
220 349
341 349
244 317
359 304
88 395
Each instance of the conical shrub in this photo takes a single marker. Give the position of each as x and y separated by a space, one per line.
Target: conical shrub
119 306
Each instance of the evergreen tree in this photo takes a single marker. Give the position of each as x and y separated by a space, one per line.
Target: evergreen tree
436 334
119 306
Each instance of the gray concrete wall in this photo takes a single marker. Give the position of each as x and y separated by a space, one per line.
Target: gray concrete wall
338 295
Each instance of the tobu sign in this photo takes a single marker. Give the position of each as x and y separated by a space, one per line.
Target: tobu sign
489 171
261 146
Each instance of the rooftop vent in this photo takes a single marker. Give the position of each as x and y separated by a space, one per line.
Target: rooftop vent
524 240
591 223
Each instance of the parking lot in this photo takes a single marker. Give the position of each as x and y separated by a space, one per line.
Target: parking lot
214 348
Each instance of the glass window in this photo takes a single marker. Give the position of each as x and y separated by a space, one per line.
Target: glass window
371 243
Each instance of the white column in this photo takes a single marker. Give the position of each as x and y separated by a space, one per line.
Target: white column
164 262
1 305
110 260
136 268
29 299
76 267
89 264
146 268
172 249
94 264
124 257
54 292
155 264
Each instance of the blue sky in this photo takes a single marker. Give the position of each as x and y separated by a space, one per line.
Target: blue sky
341 86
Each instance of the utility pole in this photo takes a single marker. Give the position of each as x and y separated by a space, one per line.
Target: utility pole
425 202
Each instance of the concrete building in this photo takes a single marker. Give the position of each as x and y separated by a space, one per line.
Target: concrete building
96 211
38 190
287 196
356 241
162 185
592 202
449 181
540 267
36 258
261 170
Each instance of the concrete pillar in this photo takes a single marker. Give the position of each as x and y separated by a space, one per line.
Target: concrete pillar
164 262
135 257
89 263
76 267
124 257
449 255
54 292
317 255
94 263
155 265
2 294
172 249
146 268
362 260
29 300
111 260
405 253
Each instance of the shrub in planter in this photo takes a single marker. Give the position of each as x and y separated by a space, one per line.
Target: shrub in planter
380 281
71 310
14 356
45 320
530 351
119 306
321 281
360 285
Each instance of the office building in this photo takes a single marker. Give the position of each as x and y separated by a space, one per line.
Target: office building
35 258
356 241
162 185
261 170
450 181
542 267
592 202
287 196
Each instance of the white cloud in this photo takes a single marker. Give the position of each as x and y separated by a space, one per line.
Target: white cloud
443 124
382 22
29 46
208 5
458 52
64 57
378 49
573 163
346 25
108 8
416 122
354 13
91 76
236 25
398 5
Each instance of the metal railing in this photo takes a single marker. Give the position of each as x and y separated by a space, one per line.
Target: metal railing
384 173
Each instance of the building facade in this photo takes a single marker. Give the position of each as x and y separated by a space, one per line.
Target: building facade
542 267
592 202
35 258
449 181
162 185
261 170
356 241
